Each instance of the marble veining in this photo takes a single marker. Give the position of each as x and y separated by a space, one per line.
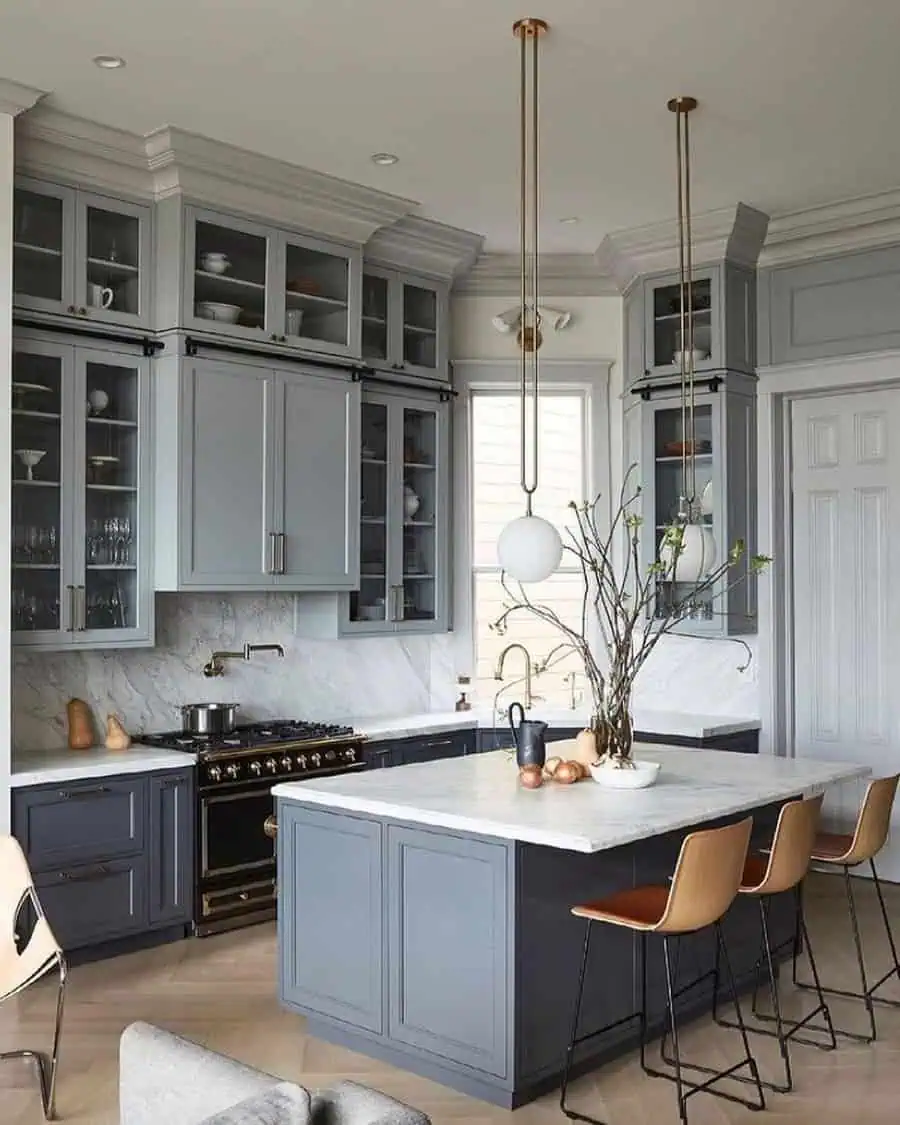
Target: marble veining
480 794
327 680
42 767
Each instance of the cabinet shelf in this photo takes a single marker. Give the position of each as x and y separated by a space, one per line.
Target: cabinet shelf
35 566
374 461
37 483
110 566
373 319
417 577
119 269
31 248
377 520
418 523
313 302
669 317
419 330
418 465
676 459
124 422
39 414
111 488
228 283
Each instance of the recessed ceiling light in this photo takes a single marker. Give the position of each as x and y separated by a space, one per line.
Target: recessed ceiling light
109 62
384 158
569 220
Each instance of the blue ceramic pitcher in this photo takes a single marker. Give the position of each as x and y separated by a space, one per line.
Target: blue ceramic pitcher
528 737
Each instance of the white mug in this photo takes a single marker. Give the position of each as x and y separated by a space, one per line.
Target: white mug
99 296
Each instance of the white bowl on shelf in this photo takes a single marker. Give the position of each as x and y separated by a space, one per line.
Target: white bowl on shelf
215 310
697 354
215 262
641 776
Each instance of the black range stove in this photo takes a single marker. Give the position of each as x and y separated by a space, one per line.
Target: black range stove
236 826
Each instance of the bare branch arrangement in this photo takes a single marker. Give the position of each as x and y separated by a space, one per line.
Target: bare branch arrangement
624 608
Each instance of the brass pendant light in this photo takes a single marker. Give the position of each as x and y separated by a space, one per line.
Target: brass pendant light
529 548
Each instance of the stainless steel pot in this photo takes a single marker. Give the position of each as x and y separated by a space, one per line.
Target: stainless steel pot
209 718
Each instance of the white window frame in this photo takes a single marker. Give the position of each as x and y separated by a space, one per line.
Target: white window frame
589 378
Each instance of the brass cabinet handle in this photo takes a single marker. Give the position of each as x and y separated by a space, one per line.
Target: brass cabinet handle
270 826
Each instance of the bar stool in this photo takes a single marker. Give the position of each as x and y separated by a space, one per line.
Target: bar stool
869 836
783 870
705 883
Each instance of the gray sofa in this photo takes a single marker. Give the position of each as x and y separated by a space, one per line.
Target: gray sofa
167 1080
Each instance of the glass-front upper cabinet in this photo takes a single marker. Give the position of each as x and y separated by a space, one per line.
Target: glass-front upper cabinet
403 533
81 255
228 272
713 467
662 308
318 295
80 496
404 323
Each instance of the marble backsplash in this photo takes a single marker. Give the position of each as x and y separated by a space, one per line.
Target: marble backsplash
329 680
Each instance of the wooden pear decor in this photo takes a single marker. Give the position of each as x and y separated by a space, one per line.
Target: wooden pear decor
81 725
117 737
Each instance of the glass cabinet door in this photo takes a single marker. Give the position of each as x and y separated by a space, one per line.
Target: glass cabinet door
112 260
317 291
664 343
42 222
673 479
41 584
109 526
229 271
375 307
420 503
420 328
372 603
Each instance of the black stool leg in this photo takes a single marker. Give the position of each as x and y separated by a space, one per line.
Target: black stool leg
857 941
776 1002
895 971
670 1003
820 993
570 1050
749 1060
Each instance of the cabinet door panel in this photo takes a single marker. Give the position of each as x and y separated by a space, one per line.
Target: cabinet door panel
43 246
171 848
227 416
95 902
112 260
317 487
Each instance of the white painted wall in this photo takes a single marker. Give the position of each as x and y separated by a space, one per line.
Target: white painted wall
6 234
684 674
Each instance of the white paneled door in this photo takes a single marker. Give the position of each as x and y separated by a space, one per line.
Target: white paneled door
846 535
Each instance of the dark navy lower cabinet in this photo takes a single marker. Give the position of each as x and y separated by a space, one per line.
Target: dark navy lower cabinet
112 858
428 748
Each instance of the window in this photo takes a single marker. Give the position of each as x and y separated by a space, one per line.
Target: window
497 498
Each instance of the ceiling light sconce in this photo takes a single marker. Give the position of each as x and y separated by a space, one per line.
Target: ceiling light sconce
529 548
109 62
694 552
511 321
385 159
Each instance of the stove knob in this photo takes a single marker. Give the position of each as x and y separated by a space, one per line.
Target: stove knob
271 765
302 763
350 755
256 768
214 773
232 771
316 760
286 762
330 755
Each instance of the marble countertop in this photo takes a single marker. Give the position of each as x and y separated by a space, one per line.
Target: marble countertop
39 767
480 794
675 723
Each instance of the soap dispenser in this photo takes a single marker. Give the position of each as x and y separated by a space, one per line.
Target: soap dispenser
463 704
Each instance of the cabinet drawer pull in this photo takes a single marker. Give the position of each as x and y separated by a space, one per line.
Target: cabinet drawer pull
74 794
439 743
70 606
272 567
84 876
279 552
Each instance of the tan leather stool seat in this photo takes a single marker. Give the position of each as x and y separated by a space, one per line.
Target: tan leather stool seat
754 872
641 908
831 847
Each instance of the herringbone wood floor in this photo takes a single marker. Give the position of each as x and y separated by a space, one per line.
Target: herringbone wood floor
221 992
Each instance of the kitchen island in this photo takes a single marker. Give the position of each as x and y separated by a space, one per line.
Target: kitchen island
424 911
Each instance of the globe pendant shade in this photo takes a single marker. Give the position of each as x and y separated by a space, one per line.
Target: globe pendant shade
697 556
529 549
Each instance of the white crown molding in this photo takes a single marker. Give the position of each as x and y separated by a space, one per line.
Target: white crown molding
15 97
733 233
862 223
561 275
423 246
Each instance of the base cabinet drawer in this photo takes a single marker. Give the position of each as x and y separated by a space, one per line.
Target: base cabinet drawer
76 822
94 902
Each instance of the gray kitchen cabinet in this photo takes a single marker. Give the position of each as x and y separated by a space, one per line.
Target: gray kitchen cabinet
262 283
725 491
404 552
384 754
723 300
112 857
255 469
82 255
171 847
405 322
81 494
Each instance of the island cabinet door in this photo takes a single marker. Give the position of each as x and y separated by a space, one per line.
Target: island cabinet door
330 915
449 947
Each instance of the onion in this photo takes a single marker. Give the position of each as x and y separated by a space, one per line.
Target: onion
530 777
551 766
567 772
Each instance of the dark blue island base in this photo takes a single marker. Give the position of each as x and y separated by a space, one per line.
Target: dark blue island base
455 956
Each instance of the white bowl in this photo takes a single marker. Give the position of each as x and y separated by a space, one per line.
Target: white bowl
642 776
213 310
697 355
215 262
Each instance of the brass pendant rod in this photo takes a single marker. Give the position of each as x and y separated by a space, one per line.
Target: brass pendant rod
528 32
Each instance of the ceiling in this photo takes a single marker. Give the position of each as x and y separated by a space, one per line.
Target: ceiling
797 96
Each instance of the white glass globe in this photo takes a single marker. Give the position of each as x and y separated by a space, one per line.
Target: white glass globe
529 549
697 556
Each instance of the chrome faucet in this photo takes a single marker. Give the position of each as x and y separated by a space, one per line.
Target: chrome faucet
498 671
216 667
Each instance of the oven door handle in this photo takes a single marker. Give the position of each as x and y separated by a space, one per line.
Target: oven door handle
270 826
